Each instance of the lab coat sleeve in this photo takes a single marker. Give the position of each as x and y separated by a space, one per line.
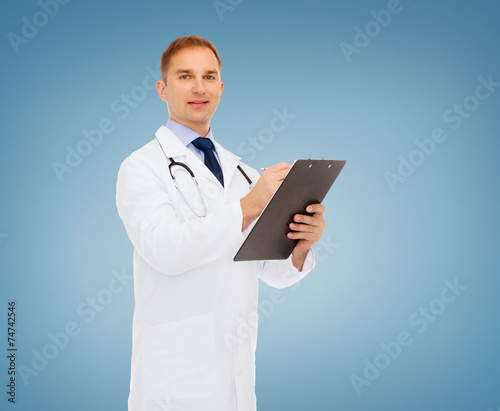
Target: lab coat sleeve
168 244
282 273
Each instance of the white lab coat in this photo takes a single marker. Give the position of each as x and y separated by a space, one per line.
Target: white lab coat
195 318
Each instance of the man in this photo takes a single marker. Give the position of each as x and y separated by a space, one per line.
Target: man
195 319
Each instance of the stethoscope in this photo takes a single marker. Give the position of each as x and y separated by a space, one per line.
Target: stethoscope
174 163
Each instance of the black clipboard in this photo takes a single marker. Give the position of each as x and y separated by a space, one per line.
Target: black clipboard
307 182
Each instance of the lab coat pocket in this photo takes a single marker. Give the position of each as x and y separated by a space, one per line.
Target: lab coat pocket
180 359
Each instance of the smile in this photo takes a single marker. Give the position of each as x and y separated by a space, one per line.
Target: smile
197 103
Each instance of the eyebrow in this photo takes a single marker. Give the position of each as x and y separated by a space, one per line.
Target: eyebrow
189 71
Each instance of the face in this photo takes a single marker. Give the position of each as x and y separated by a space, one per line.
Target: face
193 88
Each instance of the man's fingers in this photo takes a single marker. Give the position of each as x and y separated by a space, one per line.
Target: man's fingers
316 208
279 167
304 235
280 175
306 228
311 220
277 172
276 175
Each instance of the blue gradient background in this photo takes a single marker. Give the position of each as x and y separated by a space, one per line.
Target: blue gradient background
394 249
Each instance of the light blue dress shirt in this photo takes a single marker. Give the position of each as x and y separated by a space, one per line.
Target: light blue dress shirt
187 135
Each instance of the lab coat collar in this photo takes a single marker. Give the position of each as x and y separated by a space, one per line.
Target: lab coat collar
171 144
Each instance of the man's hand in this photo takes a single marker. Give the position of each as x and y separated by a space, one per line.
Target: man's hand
255 201
308 230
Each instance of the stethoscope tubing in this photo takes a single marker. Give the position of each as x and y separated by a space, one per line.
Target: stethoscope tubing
174 163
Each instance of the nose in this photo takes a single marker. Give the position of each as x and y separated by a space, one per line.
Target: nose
198 86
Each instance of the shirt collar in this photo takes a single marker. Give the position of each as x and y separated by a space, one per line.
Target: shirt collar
185 134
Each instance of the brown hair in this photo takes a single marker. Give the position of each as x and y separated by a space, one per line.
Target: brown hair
182 43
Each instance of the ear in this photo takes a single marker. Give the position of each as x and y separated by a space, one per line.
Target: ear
221 89
160 87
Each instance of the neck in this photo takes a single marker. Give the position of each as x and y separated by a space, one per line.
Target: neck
201 129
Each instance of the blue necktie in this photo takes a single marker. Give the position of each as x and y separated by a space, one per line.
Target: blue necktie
205 144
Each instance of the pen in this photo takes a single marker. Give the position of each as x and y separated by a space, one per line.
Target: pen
265 168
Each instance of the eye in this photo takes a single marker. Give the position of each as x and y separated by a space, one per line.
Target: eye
209 77
184 77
